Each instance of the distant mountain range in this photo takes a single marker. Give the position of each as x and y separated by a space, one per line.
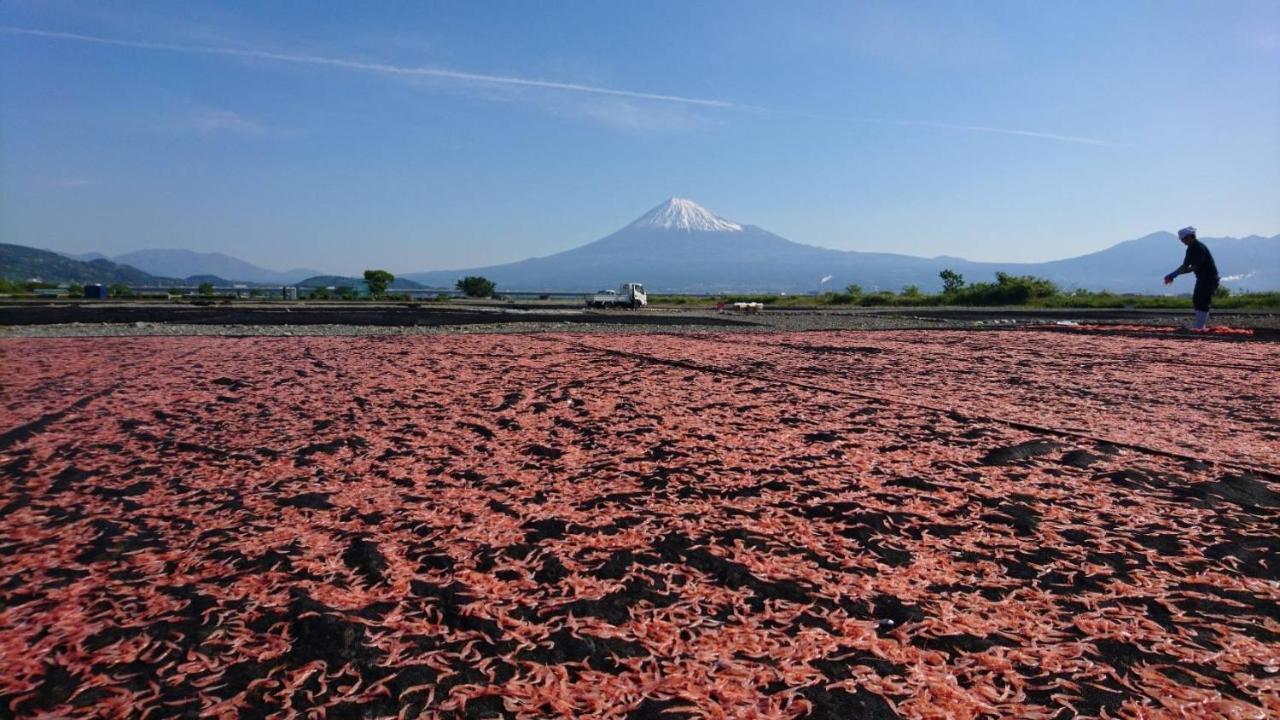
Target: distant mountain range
173 263
23 263
680 246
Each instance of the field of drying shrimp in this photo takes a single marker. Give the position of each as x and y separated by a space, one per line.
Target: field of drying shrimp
832 525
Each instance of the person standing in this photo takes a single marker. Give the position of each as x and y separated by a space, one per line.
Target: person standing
1199 261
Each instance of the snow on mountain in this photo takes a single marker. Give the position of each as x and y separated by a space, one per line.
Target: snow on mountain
682 214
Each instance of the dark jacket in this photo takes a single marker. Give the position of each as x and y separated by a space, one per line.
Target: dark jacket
1200 261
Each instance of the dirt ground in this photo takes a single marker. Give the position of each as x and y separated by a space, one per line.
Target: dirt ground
1052 522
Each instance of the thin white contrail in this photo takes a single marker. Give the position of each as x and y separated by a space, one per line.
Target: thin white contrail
938 125
376 67
1009 131
508 80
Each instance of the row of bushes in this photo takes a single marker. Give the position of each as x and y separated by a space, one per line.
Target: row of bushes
115 290
12 287
377 281
1006 290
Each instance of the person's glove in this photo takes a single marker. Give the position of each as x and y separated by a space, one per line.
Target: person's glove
1168 279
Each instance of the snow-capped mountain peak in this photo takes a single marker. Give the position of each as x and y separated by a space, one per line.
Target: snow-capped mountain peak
681 214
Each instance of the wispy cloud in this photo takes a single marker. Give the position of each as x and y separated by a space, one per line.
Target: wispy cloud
512 81
632 116
946 126
216 121
997 131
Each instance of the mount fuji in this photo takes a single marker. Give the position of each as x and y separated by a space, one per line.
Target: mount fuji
680 246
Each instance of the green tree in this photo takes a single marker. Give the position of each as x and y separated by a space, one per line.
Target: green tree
1222 292
854 292
119 290
346 293
910 291
1006 290
476 286
378 280
1021 288
952 281
205 289
75 290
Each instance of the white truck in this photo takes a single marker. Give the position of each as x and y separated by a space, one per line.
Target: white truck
628 295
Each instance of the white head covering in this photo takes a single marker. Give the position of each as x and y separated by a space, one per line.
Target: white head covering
1186 232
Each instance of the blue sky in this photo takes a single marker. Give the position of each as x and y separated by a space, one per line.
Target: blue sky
419 136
